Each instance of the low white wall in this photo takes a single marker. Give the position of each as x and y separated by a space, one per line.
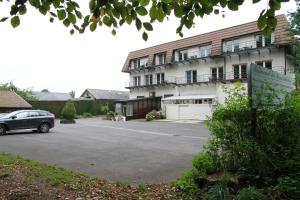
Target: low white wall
188 111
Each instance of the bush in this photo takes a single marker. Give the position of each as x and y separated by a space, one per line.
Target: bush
203 163
104 109
110 115
186 183
266 160
69 111
250 193
87 115
154 115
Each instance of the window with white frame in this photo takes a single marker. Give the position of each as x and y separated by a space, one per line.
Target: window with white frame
160 59
137 80
205 51
183 55
160 78
149 79
262 41
191 76
239 71
138 63
267 64
217 73
231 46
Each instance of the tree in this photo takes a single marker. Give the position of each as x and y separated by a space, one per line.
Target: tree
45 90
72 94
141 13
295 29
24 93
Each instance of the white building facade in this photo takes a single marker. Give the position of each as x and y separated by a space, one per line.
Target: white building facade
189 74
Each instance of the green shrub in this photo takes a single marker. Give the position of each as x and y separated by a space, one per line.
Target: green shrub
154 115
104 109
186 183
218 192
203 163
69 111
87 115
288 188
110 115
250 193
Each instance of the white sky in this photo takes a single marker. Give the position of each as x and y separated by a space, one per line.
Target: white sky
42 55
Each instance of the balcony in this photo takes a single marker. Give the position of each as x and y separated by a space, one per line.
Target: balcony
245 46
192 55
147 84
230 76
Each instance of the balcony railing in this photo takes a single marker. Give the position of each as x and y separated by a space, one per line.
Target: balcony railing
201 78
190 55
243 46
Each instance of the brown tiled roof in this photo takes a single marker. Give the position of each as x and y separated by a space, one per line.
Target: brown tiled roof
215 38
9 99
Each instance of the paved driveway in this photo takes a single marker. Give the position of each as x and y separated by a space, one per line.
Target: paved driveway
132 151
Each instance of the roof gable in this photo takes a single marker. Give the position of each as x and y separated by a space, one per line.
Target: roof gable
9 99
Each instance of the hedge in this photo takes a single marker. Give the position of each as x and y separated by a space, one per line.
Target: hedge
83 106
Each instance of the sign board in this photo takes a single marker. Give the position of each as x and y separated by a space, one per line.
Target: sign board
262 82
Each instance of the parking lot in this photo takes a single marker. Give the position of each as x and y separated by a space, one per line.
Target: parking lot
130 152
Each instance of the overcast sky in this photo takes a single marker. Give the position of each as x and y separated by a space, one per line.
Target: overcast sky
41 55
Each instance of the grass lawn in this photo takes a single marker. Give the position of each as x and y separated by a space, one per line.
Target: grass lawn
22 179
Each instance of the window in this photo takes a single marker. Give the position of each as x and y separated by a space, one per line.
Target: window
183 55
198 101
160 59
33 114
260 63
236 71
191 76
214 74
168 95
221 73
217 73
137 80
160 78
21 115
149 79
244 70
135 64
151 94
267 64
205 51
261 41
140 97
231 46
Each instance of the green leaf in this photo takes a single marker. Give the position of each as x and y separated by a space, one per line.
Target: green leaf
56 3
144 2
147 26
138 24
255 1
51 19
107 21
113 32
15 21
22 10
178 11
233 6
272 22
145 36
72 31
153 12
3 19
72 18
61 14
92 5
93 27
78 14
141 11
66 22
261 23
43 10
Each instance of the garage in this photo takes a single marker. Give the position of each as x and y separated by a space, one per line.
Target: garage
197 107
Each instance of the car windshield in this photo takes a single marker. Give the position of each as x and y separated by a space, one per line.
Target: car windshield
8 115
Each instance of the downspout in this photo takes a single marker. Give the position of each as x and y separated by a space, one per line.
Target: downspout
284 60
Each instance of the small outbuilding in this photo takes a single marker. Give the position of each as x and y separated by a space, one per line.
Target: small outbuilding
11 101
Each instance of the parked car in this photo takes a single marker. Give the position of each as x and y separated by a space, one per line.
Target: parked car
40 120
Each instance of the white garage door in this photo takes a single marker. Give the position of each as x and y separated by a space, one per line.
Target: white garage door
188 111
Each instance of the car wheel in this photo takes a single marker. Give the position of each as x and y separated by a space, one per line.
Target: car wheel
44 128
2 130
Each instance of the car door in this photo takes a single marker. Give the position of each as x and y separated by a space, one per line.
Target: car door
33 120
17 121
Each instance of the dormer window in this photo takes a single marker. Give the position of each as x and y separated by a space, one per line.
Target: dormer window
160 59
231 46
262 41
138 63
183 55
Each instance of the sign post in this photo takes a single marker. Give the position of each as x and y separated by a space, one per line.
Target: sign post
258 79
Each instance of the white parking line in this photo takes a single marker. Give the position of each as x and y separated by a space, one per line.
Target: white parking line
147 132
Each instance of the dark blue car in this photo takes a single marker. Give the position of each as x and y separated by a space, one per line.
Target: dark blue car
40 120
